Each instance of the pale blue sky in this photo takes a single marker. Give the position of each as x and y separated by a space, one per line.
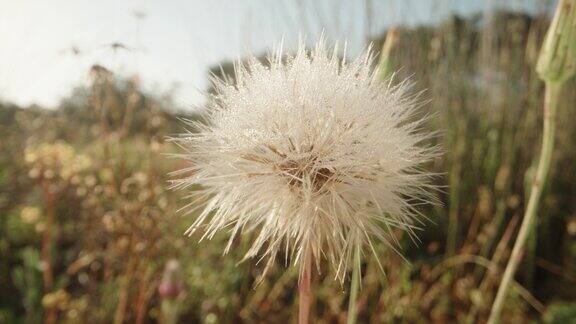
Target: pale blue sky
177 40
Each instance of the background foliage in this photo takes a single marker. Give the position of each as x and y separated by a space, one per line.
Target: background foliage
88 226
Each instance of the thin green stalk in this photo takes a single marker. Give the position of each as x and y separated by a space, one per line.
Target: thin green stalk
550 108
354 288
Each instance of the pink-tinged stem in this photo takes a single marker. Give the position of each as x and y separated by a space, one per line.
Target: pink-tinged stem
304 291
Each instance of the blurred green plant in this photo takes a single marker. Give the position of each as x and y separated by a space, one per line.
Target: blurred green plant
28 279
560 313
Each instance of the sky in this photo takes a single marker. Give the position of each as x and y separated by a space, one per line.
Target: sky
48 46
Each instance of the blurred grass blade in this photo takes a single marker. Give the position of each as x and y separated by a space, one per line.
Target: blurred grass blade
385 66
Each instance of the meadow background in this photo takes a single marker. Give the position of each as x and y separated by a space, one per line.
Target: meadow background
89 232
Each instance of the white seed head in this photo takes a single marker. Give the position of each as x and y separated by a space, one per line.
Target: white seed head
315 156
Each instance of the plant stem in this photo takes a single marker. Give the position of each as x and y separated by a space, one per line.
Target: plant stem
550 108
354 287
452 235
304 291
50 315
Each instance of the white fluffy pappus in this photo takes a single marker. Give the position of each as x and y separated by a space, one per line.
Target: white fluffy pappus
313 155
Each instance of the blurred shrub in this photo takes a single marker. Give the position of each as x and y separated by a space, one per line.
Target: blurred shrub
560 313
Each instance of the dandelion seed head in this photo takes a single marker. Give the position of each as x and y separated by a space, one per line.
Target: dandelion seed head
313 155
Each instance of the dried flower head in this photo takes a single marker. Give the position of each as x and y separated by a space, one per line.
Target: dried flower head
315 155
